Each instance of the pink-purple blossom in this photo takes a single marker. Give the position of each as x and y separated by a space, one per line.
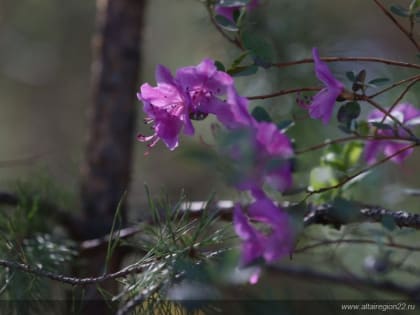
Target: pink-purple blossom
228 10
322 104
166 108
204 86
261 157
234 113
271 244
193 93
405 113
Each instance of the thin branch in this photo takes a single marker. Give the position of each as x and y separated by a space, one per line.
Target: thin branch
330 215
387 114
283 92
347 179
399 98
71 280
410 79
347 59
351 138
103 241
404 92
394 20
322 214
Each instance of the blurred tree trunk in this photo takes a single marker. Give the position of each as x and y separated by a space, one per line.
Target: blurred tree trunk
106 171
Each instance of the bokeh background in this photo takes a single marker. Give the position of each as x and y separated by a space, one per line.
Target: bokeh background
45 60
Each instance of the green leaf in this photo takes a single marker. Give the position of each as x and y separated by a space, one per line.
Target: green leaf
342 157
399 10
243 71
261 50
334 160
321 177
260 114
348 112
351 76
361 76
239 59
359 82
351 153
379 81
363 128
219 66
226 23
239 16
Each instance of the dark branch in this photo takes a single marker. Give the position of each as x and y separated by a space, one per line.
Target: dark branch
71 280
349 59
328 215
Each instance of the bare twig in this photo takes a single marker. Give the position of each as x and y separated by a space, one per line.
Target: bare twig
71 280
410 79
348 178
387 113
102 241
330 215
283 92
351 138
347 59
394 20
399 98
404 92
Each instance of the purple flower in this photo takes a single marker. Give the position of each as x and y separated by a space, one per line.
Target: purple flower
273 244
260 154
227 11
322 104
166 108
406 114
234 112
193 94
204 85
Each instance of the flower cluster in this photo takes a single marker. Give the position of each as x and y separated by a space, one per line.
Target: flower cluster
322 106
194 93
257 153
